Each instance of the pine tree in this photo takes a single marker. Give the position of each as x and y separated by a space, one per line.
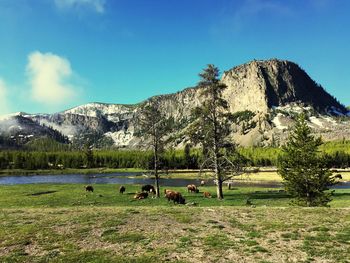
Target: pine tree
212 127
304 172
154 126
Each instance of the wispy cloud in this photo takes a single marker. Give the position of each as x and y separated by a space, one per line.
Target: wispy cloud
96 5
49 78
321 4
4 105
236 18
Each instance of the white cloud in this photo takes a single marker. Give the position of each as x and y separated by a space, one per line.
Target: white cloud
48 76
96 5
4 106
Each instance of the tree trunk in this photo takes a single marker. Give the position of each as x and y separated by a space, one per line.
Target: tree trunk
217 171
157 186
308 200
219 192
156 169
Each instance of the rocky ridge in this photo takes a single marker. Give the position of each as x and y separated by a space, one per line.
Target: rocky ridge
265 97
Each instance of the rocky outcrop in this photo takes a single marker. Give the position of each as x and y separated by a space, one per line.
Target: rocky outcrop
260 85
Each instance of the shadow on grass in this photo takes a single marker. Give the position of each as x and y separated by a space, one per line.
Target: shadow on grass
42 193
243 196
269 195
341 194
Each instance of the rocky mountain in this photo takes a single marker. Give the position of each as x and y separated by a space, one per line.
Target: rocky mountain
260 85
264 97
20 128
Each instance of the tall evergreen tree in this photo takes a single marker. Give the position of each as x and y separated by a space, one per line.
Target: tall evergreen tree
212 127
304 172
154 126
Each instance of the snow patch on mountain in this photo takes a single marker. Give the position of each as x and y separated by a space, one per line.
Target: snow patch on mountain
67 130
278 123
316 121
293 108
120 138
112 112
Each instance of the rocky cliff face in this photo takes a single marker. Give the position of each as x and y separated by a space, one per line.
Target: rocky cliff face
261 85
265 95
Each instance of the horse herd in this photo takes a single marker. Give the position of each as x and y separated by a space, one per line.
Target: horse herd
148 189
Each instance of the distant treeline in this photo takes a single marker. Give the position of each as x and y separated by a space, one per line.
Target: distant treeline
93 159
337 154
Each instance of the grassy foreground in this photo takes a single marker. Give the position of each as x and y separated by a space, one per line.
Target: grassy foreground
62 223
177 234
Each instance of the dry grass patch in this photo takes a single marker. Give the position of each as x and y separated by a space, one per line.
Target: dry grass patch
176 234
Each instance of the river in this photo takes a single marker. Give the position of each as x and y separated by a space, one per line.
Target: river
129 178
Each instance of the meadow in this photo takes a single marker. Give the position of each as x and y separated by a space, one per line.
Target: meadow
63 223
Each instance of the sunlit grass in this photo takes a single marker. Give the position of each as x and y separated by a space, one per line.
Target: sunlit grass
158 234
74 195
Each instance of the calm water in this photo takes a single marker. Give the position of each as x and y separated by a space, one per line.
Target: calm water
125 178
115 178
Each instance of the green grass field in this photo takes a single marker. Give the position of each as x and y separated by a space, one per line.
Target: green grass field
74 195
63 223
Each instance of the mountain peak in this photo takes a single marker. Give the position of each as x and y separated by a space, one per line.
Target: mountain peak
260 85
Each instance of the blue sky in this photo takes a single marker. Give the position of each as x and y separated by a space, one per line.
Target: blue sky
56 54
